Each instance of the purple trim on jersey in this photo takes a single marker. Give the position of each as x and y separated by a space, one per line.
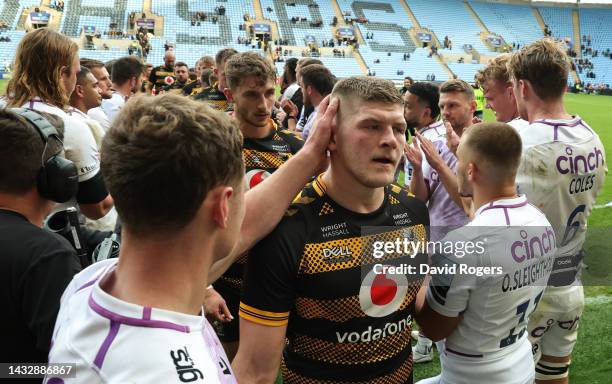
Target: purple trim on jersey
587 127
518 205
507 217
88 284
112 333
134 321
558 124
434 126
55 380
146 313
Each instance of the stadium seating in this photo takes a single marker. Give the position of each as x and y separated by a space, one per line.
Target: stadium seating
559 20
515 23
296 33
595 22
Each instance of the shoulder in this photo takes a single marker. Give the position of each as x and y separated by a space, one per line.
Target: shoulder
402 200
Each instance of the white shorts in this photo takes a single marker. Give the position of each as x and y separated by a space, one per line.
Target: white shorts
515 367
553 326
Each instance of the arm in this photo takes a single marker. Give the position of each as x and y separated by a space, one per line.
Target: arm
292 113
434 325
418 187
97 210
259 355
272 197
446 175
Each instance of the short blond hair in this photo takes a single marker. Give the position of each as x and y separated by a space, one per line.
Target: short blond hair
162 156
248 64
545 65
459 86
368 89
496 70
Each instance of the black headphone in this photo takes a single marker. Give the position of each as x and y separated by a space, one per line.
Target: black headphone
57 178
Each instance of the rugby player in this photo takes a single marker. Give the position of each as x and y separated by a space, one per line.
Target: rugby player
498 92
316 82
35 89
181 79
159 74
104 85
175 168
483 315
251 80
127 76
562 169
215 94
304 280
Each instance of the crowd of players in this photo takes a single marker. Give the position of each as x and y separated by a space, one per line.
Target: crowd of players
260 214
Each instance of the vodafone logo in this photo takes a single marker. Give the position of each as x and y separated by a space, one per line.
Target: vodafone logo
169 80
255 177
382 294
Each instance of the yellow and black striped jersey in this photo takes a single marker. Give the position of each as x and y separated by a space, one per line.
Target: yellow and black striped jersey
214 97
261 158
192 88
346 323
158 76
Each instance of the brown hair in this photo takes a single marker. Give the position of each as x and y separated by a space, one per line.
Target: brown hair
39 59
369 89
91 63
496 69
318 77
223 55
248 64
163 155
21 150
497 145
456 85
545 65
207 61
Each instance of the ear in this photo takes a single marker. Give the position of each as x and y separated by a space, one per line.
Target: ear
220 201
473 106
228 94
79 90
472 171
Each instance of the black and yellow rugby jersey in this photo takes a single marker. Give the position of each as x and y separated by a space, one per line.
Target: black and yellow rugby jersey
192 88
315 273
158 76
176 87
214 97
261 158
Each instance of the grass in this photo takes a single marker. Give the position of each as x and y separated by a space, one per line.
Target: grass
592 358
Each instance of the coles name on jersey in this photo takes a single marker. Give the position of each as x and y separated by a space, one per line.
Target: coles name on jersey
113 341
562 169
315 273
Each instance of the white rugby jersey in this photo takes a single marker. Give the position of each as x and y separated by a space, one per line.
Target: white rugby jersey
98 115
515 238
562 169
113 105
112 341
518 123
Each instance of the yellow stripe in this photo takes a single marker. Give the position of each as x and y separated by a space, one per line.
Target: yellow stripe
259 312
257 320
319 186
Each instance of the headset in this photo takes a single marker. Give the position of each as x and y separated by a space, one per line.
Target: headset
57 179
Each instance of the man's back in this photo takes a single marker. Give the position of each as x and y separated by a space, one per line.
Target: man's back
98 332
36 266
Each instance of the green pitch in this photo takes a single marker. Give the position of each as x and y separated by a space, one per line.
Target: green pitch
592 358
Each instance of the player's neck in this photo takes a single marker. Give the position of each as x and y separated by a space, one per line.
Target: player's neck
484 195
539 110
425 124
124 90
30 205
78 104
169 273
250 131
349 193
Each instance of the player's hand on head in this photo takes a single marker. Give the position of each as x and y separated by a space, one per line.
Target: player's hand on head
215 307
321 132
431 153
413 153
452 139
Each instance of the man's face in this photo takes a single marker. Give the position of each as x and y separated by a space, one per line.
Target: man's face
369 141
69 75
91 92
104 82
413 110
169 61
253 101
221 79
181 73
517 88
149 70
463 182
197 69
137 83
407 83
457 110
500 99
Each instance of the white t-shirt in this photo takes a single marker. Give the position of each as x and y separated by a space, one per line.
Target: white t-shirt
562 170
518 123
113 341
290 91
517 241
113 105
98 115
